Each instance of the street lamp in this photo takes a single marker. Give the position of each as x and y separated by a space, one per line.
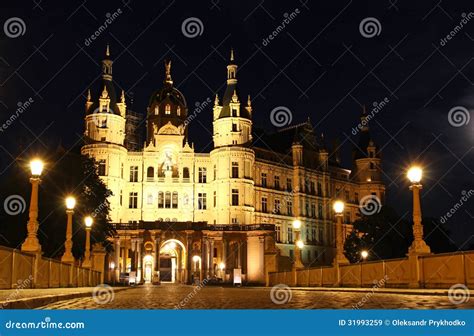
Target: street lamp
67 256
299 244
340 258
418 246
87 255
364 254
31 243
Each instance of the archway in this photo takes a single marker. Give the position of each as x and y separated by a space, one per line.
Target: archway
173 256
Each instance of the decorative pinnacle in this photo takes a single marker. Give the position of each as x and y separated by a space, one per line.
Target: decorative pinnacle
89 97
231 54
122 98
105 94
216 101
249 102
235 98
168 72
107 51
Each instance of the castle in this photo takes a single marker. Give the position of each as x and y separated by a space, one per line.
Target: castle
180 215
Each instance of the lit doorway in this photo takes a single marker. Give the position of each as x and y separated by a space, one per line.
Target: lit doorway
172 262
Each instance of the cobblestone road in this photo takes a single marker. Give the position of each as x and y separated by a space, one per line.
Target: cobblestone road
189 297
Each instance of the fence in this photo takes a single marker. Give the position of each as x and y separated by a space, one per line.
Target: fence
23 270
429 271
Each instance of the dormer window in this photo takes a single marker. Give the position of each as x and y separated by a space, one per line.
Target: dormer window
156 109
234 112
167 109
178 111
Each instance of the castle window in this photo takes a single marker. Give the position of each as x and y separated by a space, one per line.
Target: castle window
120 198
276 180
202 201
150 172
372 165
313 189
321 235
235 221
235 170
215 199
160 200
174 200
290 235
277 205
133 200
278 233
101 168
320 211
202 175
289 208
134 174
313 233
156 109
313 210
356 197
346 195
215 172
289 184
235 197
178 111
149 199
185 172
264 180
320 189
121 170
264 204
234 128
234 112
167 109
307 209
167 200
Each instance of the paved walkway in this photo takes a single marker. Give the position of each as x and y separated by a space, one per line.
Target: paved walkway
189 297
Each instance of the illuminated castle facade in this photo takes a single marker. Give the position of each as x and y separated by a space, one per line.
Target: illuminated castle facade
182 215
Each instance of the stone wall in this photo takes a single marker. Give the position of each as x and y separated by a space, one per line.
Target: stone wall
429 271
23 270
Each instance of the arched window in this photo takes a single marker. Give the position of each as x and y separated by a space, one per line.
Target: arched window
174 200
160 200
156 109
185 172
167 200
167 109
150 172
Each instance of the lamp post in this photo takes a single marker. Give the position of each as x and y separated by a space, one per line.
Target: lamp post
67 256
364 254
418 246
87 255
299 244
340 258
31 243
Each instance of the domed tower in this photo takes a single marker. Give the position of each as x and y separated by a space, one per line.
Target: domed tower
105 135
233 159
232 121
367 170
167 106
105 116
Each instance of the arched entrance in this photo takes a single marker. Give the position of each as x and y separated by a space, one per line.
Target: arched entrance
172 261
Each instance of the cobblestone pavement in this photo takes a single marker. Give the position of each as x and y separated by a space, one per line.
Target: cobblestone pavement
16 294
189 297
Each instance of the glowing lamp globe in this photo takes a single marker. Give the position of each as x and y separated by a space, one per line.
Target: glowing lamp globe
296 224
70 202
88 221
414 174
221 266
196 258
36 167
364 254
300 244
338 207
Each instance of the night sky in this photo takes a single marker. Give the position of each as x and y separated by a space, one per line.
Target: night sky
319 66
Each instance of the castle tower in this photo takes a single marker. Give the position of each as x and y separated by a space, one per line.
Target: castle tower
367 170
105 134
233 160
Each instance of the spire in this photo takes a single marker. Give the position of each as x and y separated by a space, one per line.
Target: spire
105 94
168 79
89 97
107 65
122 97
249 102
216 101
231 70
231 55
363 120
107 51
235 98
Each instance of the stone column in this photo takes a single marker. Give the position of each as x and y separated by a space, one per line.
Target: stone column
203 259
117 259
139 259
156 275
224 255
211 256
189 246
125 257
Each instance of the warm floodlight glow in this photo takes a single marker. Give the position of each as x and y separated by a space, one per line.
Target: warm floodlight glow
300 244
148 258
88 221
296 224
171 246
338 207
364 254
70 202
221 266
414 174
112 265
196 258
36 167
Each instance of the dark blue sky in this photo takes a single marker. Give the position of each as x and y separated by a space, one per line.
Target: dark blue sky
319 66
